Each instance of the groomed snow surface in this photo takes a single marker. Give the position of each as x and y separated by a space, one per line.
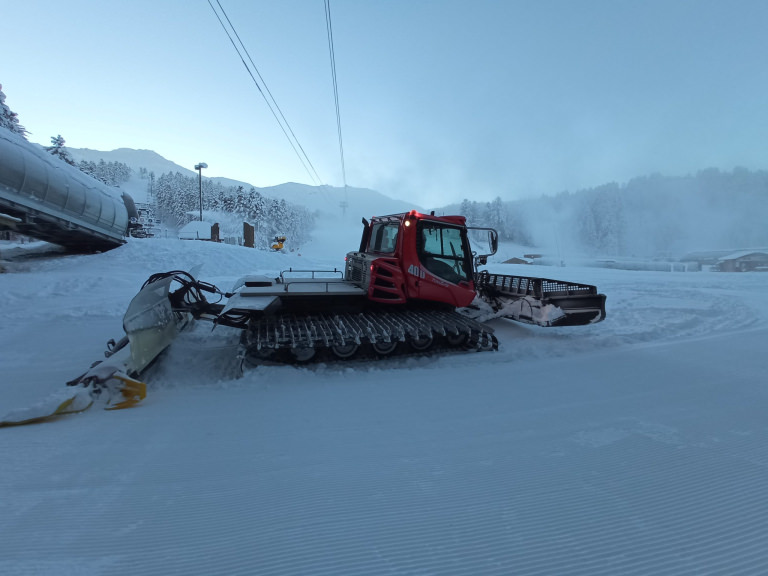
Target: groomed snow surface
635 446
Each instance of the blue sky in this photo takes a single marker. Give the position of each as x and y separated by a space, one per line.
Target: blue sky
440 100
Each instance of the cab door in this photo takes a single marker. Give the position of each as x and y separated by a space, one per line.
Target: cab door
445 264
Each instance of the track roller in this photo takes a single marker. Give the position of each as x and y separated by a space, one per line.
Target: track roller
422 342
344 351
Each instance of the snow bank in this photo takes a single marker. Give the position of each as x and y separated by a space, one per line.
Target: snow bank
634 445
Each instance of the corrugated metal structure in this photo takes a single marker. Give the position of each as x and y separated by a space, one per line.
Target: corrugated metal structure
743 261
50 200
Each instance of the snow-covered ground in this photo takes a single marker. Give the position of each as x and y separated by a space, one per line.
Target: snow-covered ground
635 446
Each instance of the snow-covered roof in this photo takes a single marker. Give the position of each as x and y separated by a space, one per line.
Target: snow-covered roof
744 253
517 260
196 230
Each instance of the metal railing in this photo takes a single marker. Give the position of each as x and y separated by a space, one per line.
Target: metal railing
311 279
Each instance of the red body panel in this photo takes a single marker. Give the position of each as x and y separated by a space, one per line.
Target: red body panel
401 276
387 281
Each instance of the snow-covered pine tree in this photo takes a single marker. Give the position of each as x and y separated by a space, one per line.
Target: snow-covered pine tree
9 119
211 194
177 198
274 217
241 207
468 210
260 208
252 201
495 216
57 149
299 224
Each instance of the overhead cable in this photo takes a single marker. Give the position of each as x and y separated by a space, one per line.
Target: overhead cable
332 52
284 125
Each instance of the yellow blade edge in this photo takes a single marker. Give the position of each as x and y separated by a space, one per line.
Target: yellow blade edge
66 407
133 392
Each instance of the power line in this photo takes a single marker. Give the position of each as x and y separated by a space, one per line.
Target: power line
344 203
303 158
270 93
335 86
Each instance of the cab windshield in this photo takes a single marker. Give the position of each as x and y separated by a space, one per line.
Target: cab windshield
442 251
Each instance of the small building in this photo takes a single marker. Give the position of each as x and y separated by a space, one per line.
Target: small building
196 230
706 257
743 261
516 260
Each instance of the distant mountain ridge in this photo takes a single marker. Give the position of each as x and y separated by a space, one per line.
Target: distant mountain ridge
135 159
649 216
325 199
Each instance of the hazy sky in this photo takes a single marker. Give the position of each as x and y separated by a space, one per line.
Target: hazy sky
440 99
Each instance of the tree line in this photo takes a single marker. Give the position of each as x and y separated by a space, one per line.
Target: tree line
499 215
177 198
649 216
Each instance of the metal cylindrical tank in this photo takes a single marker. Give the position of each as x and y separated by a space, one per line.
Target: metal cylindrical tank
57 202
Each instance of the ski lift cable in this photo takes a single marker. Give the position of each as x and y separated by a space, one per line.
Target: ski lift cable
266 100
332 52
269 92
303 163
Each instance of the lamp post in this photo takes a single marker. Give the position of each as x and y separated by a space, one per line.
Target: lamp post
199 168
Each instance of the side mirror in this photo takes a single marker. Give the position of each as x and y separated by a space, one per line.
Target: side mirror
493 245
492 238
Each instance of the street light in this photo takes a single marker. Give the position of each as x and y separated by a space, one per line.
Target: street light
199 168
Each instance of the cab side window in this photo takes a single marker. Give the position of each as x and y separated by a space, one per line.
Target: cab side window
384 238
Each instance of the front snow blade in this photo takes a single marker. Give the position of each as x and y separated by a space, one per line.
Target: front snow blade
150 324
105 385
110 381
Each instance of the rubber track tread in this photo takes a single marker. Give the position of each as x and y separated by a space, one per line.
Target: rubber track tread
324 330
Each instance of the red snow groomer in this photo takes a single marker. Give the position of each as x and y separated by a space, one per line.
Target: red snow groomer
413 285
